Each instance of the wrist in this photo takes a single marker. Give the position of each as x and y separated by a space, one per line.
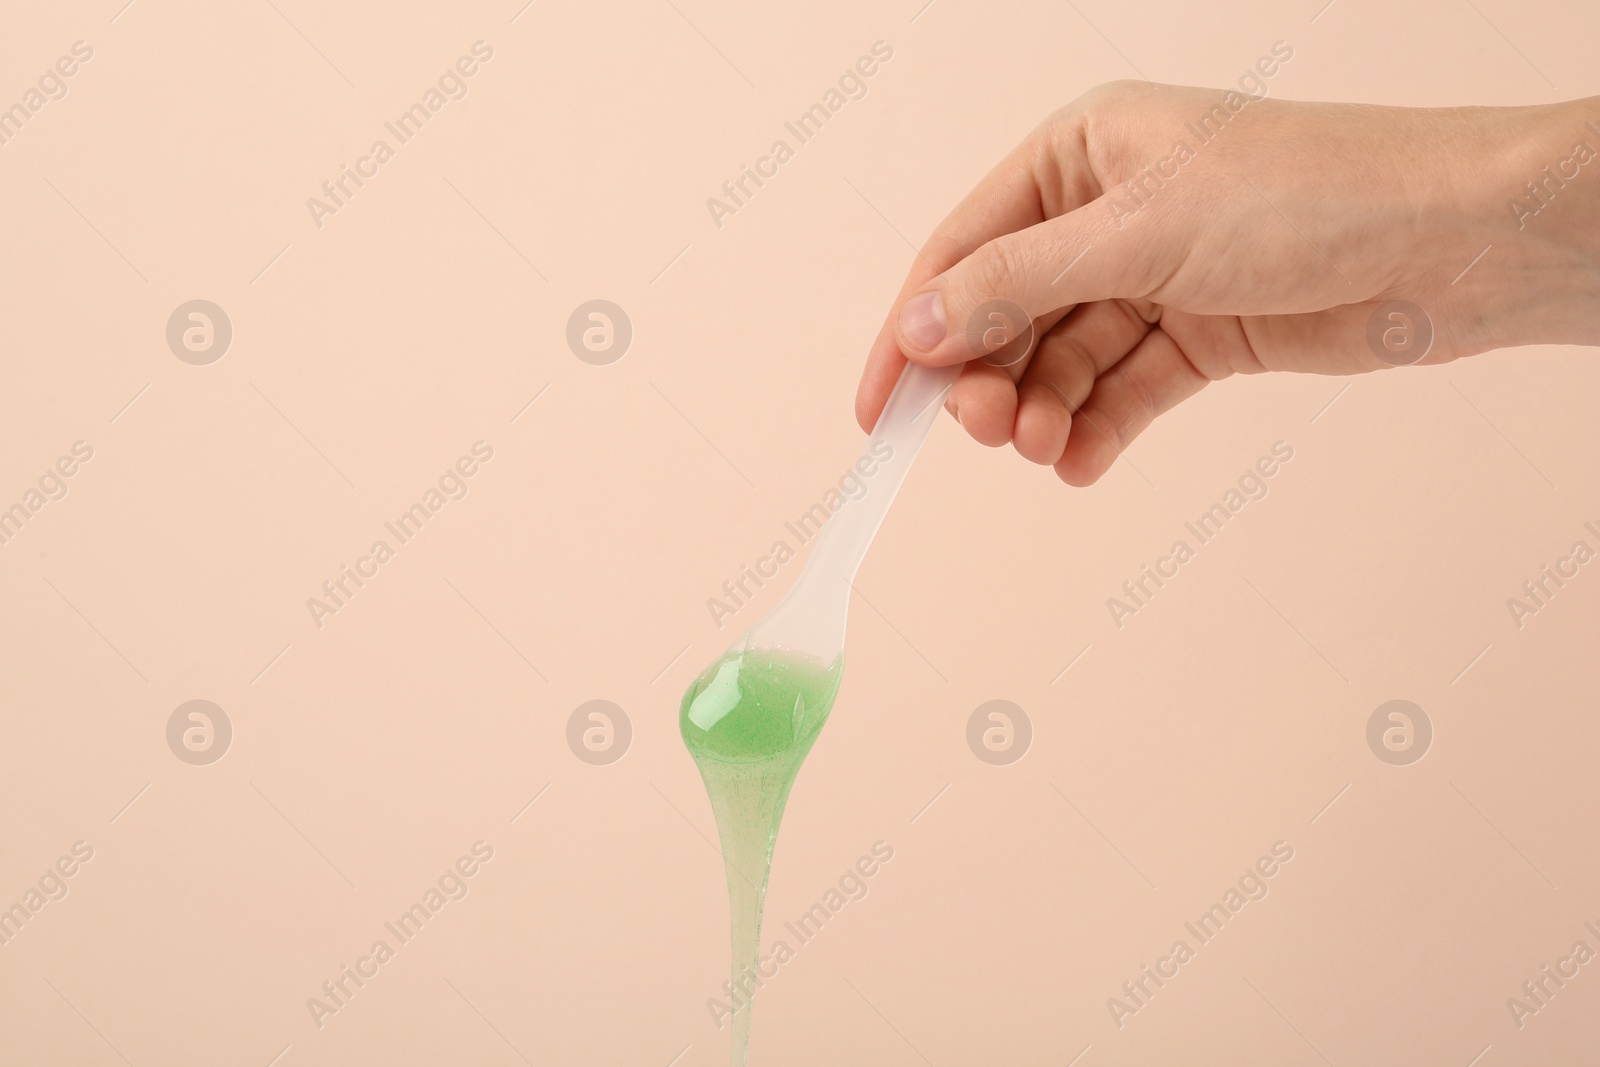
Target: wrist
1541 202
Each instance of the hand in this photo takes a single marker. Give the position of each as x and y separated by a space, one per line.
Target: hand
1152 261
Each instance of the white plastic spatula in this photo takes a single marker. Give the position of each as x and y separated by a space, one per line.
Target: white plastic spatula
811 617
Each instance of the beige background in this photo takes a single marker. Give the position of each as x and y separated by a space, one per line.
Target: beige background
370 753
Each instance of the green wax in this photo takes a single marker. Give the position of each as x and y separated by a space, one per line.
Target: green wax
748 721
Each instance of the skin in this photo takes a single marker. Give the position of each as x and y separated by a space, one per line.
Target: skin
1269 250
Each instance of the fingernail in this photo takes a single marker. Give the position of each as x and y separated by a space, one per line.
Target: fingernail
922 321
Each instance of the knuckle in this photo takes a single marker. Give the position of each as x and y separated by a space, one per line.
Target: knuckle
996 270
1123 87
1072 362
1137 412
1121 430
1111 93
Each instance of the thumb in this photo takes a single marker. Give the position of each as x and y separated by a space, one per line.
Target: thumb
985 306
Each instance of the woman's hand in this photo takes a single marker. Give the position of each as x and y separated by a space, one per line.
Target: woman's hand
1161 238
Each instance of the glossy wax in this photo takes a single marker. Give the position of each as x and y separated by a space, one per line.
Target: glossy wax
748 721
